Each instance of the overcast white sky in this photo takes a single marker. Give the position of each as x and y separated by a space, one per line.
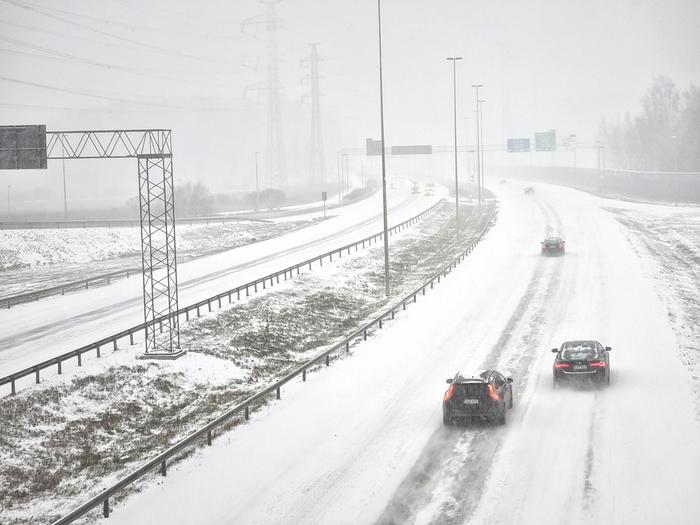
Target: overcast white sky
544 64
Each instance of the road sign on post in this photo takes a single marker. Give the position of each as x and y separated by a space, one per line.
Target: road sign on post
518 145
23 147
546 140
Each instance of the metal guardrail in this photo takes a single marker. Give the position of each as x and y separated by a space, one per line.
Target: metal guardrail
118 223
206 432
286 273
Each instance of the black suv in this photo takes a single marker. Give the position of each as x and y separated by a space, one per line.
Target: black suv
581 360
478 398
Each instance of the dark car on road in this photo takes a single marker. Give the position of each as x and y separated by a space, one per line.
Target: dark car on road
581 361
553 246
482 398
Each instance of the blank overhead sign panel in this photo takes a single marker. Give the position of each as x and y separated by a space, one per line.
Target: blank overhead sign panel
374 147
421 149
22 147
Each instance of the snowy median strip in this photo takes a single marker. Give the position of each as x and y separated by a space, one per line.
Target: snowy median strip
225 420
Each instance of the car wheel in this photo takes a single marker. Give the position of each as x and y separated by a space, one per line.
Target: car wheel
502 416
447 420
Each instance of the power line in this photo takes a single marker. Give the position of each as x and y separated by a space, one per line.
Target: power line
102 97
150 47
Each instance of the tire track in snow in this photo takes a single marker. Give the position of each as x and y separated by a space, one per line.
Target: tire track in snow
465 457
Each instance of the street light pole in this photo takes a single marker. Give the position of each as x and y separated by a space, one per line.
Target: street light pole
454 108
257 186
481 142
381 118
478 142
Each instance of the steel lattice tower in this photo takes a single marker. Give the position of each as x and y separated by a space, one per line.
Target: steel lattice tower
275 165
317 164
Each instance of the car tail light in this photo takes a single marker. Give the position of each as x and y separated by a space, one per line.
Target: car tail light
599 364
561 365
492 392
449 393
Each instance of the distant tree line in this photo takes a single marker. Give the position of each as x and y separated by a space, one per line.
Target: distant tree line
665 136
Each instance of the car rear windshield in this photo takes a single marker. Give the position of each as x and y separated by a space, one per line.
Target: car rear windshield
579 350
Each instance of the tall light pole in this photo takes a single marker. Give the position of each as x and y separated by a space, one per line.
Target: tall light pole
454 110
257 184
478 141
481 142
381 118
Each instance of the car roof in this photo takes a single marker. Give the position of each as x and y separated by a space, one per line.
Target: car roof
579 342
552 238
481 378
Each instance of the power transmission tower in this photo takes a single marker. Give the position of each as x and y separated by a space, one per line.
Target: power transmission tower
275 169
317 164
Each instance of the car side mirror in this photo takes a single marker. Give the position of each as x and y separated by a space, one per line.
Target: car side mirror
449 381
607 349
509 379
555 350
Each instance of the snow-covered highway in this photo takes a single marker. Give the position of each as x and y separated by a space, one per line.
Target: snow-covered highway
33 332
364 442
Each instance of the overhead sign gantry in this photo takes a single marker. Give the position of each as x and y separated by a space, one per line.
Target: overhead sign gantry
30 147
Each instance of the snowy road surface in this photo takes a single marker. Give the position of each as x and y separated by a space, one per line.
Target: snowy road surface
33 332
363 441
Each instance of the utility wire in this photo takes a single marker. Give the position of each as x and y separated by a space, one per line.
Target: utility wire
153 48
105 97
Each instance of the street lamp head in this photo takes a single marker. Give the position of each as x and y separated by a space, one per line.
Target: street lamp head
477 85
453 58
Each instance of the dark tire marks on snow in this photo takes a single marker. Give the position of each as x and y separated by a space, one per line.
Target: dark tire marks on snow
447 482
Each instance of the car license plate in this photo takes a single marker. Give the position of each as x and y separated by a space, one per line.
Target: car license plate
580 367
471 401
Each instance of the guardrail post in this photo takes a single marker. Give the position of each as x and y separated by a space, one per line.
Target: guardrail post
229 297
365 335
438 279
219 300
238 294
331 257
278 393
247 292
131 336
404 305
60 368
163 469
392 314
80 359
105 508
209 438
278 276
37 376
187 316
14 391
256 287
263 285
198 314
209 305
431 285
320 260
414 298
424 290
298 268
380 324
247 413
328 359
303 375
97 351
